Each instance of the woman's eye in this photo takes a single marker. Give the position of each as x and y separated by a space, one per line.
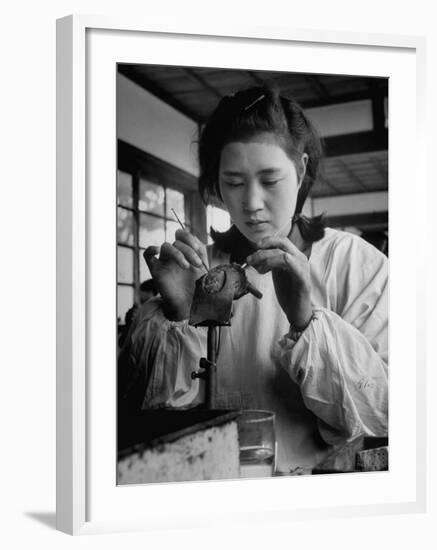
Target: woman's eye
234 183
270 182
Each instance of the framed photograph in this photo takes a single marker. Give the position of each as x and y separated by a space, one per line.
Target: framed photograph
134 107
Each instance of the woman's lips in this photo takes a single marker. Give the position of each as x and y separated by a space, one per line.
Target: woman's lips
257 225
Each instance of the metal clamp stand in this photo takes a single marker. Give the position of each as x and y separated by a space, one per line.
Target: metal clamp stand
209 369
212 307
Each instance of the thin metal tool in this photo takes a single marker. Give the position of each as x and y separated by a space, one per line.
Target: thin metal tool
184 228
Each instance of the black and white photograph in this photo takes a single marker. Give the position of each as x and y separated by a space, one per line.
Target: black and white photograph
219 275
252 273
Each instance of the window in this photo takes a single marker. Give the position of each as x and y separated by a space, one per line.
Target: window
218 219
146 195
144 218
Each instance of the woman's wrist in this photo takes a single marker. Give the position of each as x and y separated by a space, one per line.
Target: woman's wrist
295 332
173 313
301 313
301 324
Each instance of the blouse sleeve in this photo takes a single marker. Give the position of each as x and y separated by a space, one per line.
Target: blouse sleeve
155 364
340 360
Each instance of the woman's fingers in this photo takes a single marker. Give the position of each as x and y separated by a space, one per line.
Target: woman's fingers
193 243
281 243
167 253
276 253
190 255
187 252
276 259
170 253
150 257
266 260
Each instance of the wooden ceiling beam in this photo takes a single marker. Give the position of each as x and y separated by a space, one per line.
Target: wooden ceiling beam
360 142
363 142
352 174
320 88
377 164
325 181
197 78
256 79
378 109
157 91
364 221
336 99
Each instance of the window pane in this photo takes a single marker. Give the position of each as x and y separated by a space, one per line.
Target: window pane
125 265
175 200
125 226
124 189
152 231
151 197
144 270
125 300
217 218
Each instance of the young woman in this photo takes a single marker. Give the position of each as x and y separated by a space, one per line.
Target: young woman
314 348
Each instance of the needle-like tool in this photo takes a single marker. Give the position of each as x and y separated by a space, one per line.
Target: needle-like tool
184 228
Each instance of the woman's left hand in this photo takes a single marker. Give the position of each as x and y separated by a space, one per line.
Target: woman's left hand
291 277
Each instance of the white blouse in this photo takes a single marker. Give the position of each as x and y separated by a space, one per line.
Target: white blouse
329 386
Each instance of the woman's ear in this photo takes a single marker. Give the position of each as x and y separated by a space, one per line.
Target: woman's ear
302 168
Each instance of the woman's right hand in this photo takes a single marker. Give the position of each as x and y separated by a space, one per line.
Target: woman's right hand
175 272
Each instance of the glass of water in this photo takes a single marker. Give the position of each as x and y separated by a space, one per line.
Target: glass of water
256 433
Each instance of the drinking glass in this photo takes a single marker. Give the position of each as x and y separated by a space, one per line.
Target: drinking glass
256 433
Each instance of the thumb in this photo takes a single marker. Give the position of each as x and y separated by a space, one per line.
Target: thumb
150 257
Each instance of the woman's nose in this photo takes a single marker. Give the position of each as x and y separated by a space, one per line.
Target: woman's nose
253 198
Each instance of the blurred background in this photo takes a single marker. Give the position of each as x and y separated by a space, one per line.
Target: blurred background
160 111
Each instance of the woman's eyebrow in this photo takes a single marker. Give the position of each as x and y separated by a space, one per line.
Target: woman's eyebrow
267 171
264 171
232 173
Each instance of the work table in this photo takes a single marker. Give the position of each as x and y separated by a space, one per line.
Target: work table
167 445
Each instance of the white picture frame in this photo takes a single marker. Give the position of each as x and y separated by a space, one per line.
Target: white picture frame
85 415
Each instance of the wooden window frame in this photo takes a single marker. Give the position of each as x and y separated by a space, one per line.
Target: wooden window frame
141 165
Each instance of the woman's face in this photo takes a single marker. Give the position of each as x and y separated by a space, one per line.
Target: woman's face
259 185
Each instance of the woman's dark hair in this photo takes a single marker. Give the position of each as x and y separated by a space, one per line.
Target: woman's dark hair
250 112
